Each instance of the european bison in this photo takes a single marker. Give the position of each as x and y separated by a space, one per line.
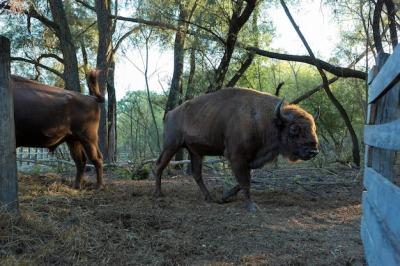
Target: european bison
47 116
248 127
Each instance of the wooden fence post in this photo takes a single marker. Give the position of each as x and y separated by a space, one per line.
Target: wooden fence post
8 165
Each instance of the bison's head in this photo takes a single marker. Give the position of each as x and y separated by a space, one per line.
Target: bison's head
298 137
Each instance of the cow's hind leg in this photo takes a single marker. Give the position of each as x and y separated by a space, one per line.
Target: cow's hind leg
242 175
166 155
79 157
93 152
196 163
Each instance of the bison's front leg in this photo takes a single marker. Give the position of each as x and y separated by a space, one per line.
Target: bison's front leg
242 174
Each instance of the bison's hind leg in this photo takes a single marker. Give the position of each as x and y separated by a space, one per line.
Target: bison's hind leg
79 157
197 163
166 155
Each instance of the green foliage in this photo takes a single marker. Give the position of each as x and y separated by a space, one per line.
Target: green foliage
118 172
136 132
142 173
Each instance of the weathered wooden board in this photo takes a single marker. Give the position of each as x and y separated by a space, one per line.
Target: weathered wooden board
378 248
388 76
8 167
385 136
384 197
380 224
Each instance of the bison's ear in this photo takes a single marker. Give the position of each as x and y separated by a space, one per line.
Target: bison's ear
277 113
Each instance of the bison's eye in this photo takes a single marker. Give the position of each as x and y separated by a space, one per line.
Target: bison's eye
294 130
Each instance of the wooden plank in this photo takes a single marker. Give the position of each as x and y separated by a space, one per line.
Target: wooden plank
384 136
371 114
388 76
369 242
377 246
8 165
387 110
384 197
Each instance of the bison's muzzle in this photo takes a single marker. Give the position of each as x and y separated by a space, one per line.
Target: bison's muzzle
307 153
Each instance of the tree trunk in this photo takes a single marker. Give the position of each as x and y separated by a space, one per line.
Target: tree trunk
190 84
8 166
112 114
71 74
236 23
250 56
103 53
175 92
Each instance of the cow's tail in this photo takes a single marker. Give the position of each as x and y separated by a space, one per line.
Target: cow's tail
94 87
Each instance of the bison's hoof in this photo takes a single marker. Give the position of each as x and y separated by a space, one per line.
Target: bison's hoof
251 207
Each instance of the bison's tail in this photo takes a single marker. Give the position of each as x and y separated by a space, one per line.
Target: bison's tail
94 87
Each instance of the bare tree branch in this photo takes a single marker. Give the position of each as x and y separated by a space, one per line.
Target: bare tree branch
85 30
59 59
123 37
311 92
36 63
86 5
336 70
336 103
244 66
240 16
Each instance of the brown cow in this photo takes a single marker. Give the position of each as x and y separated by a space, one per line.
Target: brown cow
47 116
248 127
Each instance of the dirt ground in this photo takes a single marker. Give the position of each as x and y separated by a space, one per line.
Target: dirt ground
307 216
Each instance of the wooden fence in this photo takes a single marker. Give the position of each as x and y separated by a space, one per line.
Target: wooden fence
29 157
380 225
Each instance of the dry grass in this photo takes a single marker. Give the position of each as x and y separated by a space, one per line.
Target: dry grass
125 225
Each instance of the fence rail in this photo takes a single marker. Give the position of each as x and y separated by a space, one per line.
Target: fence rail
380 225
28 157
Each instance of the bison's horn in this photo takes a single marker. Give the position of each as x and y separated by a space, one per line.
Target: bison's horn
317 113
277 110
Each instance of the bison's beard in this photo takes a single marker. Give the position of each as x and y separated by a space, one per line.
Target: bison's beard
293 158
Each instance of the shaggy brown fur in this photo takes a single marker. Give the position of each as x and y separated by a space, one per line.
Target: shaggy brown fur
242 125
47 116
